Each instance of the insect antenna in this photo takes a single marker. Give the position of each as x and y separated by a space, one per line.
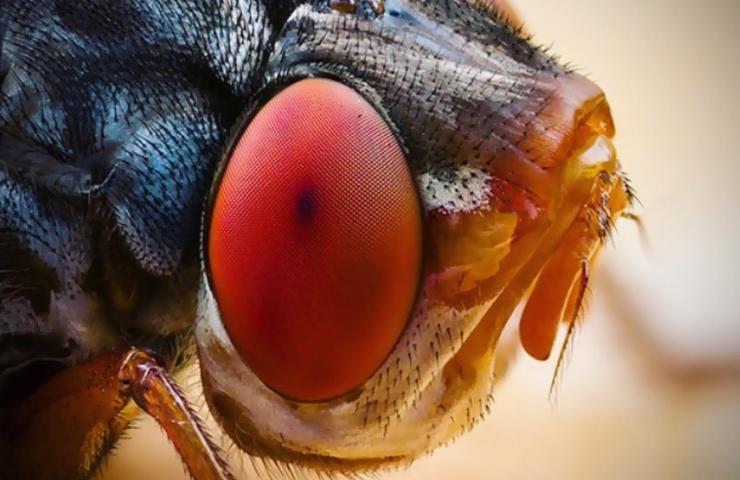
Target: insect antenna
641 229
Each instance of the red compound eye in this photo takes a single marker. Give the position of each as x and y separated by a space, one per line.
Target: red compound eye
315 241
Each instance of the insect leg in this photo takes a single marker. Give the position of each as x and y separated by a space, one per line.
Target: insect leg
152 388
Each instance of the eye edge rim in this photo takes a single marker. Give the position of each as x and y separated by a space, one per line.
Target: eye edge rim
273 85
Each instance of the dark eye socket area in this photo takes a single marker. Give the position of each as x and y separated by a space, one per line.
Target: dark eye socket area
315 241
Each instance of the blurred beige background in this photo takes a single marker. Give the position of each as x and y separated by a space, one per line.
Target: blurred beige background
653 387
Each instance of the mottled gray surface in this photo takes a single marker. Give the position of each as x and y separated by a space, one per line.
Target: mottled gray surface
112 114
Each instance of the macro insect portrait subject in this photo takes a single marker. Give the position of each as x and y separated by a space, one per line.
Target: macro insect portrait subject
334 207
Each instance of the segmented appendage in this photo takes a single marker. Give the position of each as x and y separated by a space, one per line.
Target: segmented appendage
611 195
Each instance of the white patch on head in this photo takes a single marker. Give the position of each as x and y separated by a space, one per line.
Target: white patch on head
470 191
600 152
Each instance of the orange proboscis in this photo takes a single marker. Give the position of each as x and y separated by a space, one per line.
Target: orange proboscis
559 290
554 195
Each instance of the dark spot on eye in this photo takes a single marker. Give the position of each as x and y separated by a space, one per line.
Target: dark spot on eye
306 205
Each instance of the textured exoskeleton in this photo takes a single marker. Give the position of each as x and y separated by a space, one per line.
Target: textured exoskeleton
116 117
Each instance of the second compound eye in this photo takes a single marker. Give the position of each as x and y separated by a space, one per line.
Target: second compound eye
315 241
